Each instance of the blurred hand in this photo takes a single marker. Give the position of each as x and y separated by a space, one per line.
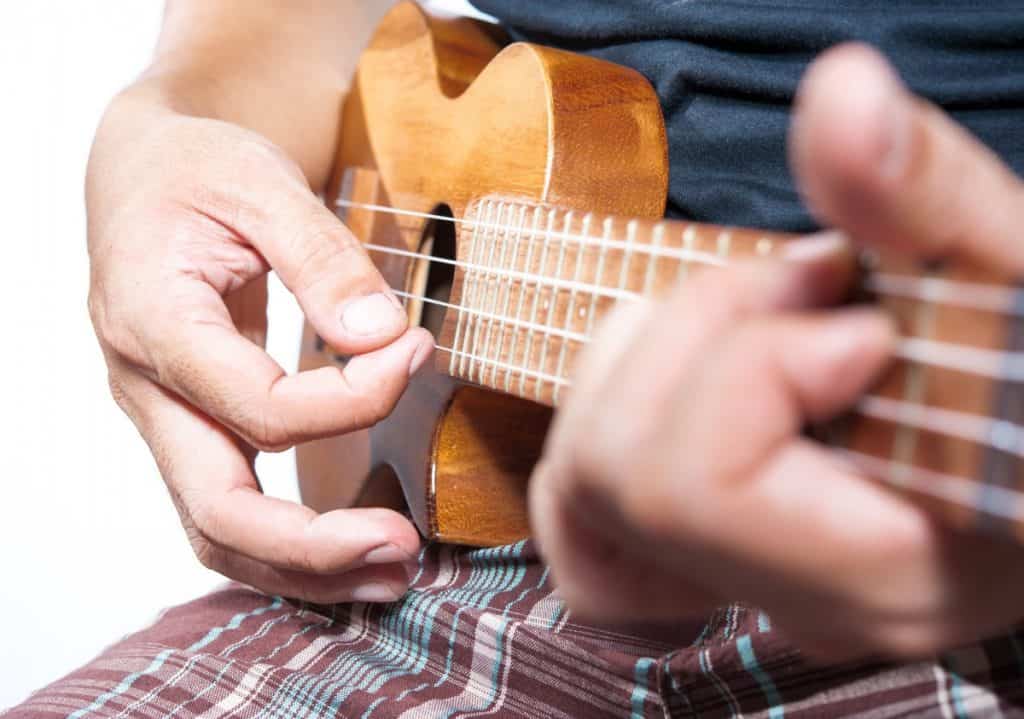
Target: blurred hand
186 217
676 477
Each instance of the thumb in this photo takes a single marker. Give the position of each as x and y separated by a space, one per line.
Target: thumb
321 262
886 167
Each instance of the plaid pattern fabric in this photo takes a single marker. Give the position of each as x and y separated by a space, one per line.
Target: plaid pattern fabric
483 633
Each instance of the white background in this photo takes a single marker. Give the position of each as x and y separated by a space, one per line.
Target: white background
91 546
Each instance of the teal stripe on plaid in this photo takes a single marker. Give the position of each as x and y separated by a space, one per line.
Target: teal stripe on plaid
498 582
746 650
445 675
496 664
228 665
404 634
304 692
162 657
641 674
513 552
955 687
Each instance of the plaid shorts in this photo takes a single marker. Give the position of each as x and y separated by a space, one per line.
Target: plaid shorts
484 633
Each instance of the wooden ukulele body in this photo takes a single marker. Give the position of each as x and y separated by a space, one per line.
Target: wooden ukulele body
441 114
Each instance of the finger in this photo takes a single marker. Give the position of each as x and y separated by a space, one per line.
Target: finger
593 561
817 271
887 167
317 258
375 583
755 388
214 487
202 357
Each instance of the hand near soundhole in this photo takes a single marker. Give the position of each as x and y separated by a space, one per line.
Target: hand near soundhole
676 477
186 217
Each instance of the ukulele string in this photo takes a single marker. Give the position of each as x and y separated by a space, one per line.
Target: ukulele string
994 364
1004 502
1002 435
984 297
704 258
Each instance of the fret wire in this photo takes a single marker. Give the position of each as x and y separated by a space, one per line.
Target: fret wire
472 327
657 237
724 244
627 255
689 240
510 367
492 273
570 309
528 263
904 443
553 303
503 324
465 294
546 246
609 224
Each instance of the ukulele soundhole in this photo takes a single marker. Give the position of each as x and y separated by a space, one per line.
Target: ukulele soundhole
431 279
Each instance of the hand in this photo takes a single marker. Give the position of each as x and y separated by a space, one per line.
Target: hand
676 477
186 217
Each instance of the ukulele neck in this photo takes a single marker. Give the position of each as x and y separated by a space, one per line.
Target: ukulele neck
534 281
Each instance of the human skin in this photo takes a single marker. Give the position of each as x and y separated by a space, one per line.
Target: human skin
710 492
203 177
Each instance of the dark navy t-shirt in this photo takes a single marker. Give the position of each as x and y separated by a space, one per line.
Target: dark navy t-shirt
727 70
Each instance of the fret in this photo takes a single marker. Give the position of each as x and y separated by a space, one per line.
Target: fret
609 225
657 238
570 309
689 243
1001 463
527 268
506 265
491 279
904 443
723 244
627 255
553 299
528 351
462 328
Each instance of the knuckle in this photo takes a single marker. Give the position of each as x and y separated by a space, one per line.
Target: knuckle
320 249
265 432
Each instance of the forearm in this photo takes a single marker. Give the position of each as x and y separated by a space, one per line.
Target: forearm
275 66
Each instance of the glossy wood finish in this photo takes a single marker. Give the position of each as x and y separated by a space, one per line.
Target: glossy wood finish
440 114
554 169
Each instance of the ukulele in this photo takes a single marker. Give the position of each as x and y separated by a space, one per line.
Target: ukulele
512 196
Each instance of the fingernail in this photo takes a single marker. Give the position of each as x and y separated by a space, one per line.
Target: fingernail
376 314
816 247
420 357
386 554
375 592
